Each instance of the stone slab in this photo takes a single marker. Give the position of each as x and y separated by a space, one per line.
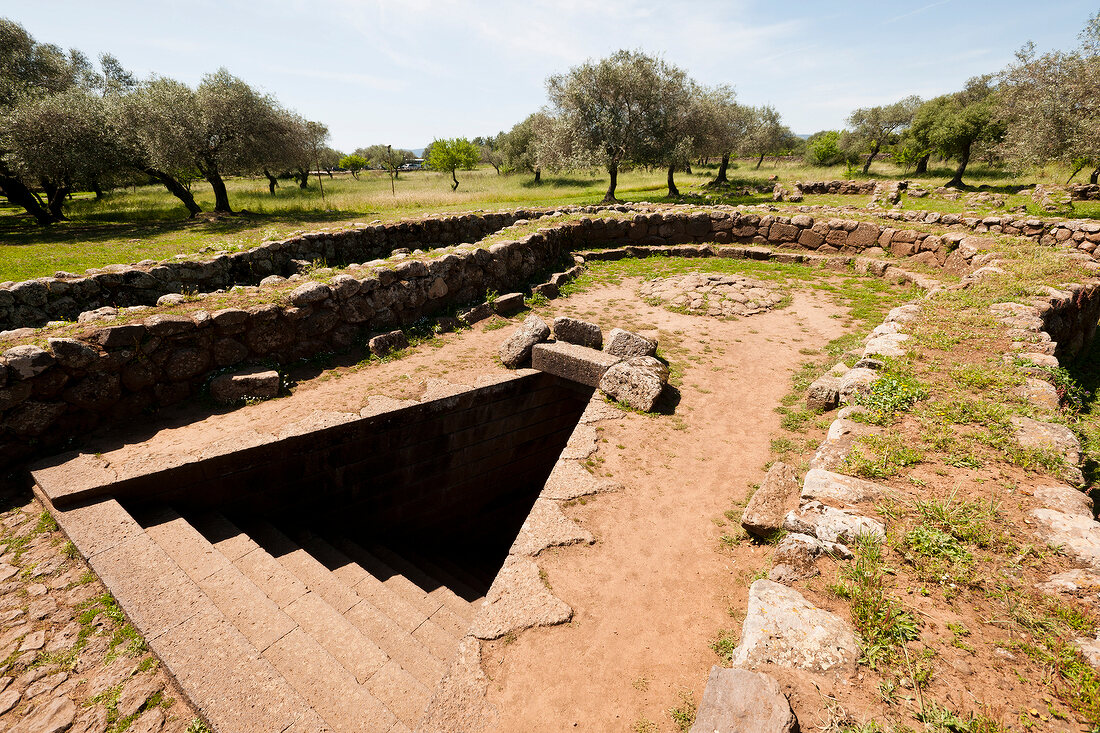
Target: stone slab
569 361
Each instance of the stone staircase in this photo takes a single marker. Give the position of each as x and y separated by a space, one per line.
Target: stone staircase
268 628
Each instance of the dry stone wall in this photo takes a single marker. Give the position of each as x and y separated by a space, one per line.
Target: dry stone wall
51 393
34 303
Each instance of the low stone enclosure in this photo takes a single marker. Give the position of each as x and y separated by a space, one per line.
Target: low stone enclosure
100 375
34 303
252 569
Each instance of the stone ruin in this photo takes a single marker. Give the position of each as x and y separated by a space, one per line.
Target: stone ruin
336 624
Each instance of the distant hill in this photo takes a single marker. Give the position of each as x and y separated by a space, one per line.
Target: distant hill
419 152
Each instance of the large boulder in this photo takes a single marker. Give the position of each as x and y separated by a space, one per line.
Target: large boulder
259 384
638 382
626 344
823 394
576 331
831 524
28 360
517 348
740 701
826 486
783 628
777 495
387 343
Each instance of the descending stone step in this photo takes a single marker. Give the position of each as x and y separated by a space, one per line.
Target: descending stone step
225 677
323 656
424 581
320 579
378 593
416 667
449 574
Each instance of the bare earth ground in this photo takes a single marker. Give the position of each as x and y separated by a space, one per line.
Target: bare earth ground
658 585
68 654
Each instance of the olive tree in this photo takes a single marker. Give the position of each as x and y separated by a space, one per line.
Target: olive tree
767 135
1048 105
389 159
29 71
619 109
450 155
353 163
955 123
724 125
60 140
875 127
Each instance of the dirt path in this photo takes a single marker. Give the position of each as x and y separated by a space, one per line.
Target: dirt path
657 587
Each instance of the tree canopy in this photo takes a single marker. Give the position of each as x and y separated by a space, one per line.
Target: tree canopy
626 107
450 155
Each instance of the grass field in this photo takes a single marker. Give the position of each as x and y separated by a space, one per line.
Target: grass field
146 222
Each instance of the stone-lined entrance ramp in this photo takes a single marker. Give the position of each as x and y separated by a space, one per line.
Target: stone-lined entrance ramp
266 632
272 620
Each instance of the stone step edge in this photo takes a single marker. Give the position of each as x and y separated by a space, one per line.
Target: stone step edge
334 653
179 614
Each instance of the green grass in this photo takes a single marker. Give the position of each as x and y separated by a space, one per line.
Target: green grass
146 222
878 617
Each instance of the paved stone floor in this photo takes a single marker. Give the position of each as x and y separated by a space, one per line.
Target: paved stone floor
722 296
69 660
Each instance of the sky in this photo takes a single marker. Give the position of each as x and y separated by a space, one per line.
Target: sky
404 72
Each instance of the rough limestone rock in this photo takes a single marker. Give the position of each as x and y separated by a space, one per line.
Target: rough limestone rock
1079 535
777 494
546 526
887 344
570 480
1047 436
310 292
460 703
576 331
55 716
856 382
824 394
517 349
783 628
794 557
1040 393
638 382
826 486
508 304
387 343
831 524
28 361
517 600
573 362
1077 582
740 701
626 344
261 384
1065 499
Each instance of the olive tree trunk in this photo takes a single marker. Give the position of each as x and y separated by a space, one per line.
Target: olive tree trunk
613 173
722 168
922 164
871 157
272 182
16 191
176 188
964 158
672 190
